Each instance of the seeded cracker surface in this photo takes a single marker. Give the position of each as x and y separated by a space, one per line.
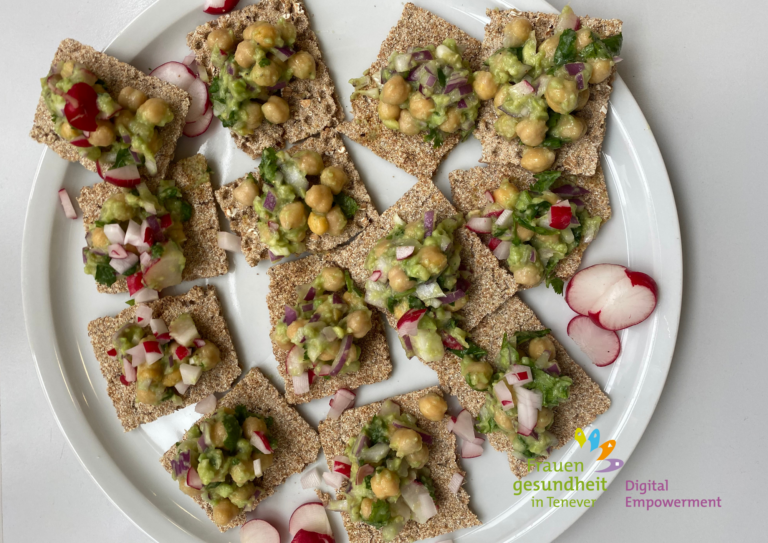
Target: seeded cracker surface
201 249
490 284
297 442
586 400
205 309
375 364
416 27
453 509
468 190
580 157
243 220
314 104
116 75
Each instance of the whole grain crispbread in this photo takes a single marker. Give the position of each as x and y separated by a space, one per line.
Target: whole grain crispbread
243 220
314 104
580 157
297 442
116 76
416 27
468 189
205 309
586 400
201 249
453 509
490 285
375 363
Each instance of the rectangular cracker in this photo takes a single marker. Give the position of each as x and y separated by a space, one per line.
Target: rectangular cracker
468 192
243 220
204 256
580 157
416 27
375 363
116 75
314 104
586 400
453 509
297 442
490 284
204 306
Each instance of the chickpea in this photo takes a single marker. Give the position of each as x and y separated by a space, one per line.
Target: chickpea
287 30
549 46
516 32
266 75
99 238
221 38
537 159
523 233
408 123
333 278
276 110
381 247
319 198
68 132
503 420
433 259
506 126
527 276
458 305
188 490
146 396
482 373
302 65
601 69
149 372
293 215
484 85
103 136
405 441
156 142
537 346
246 193
224 512
172 378
531 132
395 91
359 322
385 484
123 119
501 95
562 95
318 224
251 425
218 434
421 107
399 280
433 406
310 162
330 352
336 221
262 33
583 38
153 111
334 178
354 354
506 195
418 459
208 356
293 329
388 112
366 508
131 98
452 122
570 128
545 418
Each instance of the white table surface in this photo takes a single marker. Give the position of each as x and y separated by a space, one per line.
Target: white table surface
697 71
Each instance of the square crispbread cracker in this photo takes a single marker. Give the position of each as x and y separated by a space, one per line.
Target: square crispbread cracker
586 400
314 104
416 27
116 75
297 442
490 285
201 249
453 511
468 191
205 309
243 219
375 363
580 157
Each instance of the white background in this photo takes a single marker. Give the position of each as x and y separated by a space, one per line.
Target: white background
698 73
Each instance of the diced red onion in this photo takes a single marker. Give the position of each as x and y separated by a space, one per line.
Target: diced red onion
533 255
554 369
315 317
452 296
455 483
181 464
422 56
569 191
290 315
462 104
429 223
323 370
283 53
404 251
574 68
342 355
278 86
301 383
270 200
343 400
580 81
529 397
198 342
310 294
360 444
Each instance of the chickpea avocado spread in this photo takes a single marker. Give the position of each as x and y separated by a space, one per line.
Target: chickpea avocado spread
534 229
426 89
163 361
321 330
222 459
537 87
253 71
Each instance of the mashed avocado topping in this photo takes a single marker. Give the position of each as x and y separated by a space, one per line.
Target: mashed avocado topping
390 482
119 132
324 328
223 458
138 236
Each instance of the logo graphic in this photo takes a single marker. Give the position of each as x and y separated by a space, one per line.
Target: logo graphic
607 448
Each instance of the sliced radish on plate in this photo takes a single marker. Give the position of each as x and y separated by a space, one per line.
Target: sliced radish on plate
124 177
303 536
587 286
343 400
626 303
600 345
192 130
198 94
259 531
66 203
207 405
310 517
470 450
217 7
175 73
463 426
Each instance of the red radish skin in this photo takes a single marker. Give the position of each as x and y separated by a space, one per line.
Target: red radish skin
198 93
310 517
560 215
626 303
217 7
198 128
586 287
81 109
126 177
601 346
258 531
175 73
303 536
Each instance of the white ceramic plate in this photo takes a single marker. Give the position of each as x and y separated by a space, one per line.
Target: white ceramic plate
59 300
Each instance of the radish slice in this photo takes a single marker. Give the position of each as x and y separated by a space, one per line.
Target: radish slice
260 441
527 415
519 375
343 400
504 395
197 128
190 61
112 352
480 225
310 517
301 383
114 233
304 536
342 465
229 242
181 388
601 346
190 374
137 355
66 203
489 196
116 251
587 286
146 295
152 352
455 483
129 371
124 177
335 480
528 397
258 531
193 479
122 265
217 7
198 94
470 450
408 324
463 426
627 302
133 234
560 215
207 405
143 315
375 276
175 73
311 479
502 250
158 327
404 251
180 353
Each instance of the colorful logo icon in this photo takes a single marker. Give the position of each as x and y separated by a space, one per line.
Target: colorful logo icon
607 448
